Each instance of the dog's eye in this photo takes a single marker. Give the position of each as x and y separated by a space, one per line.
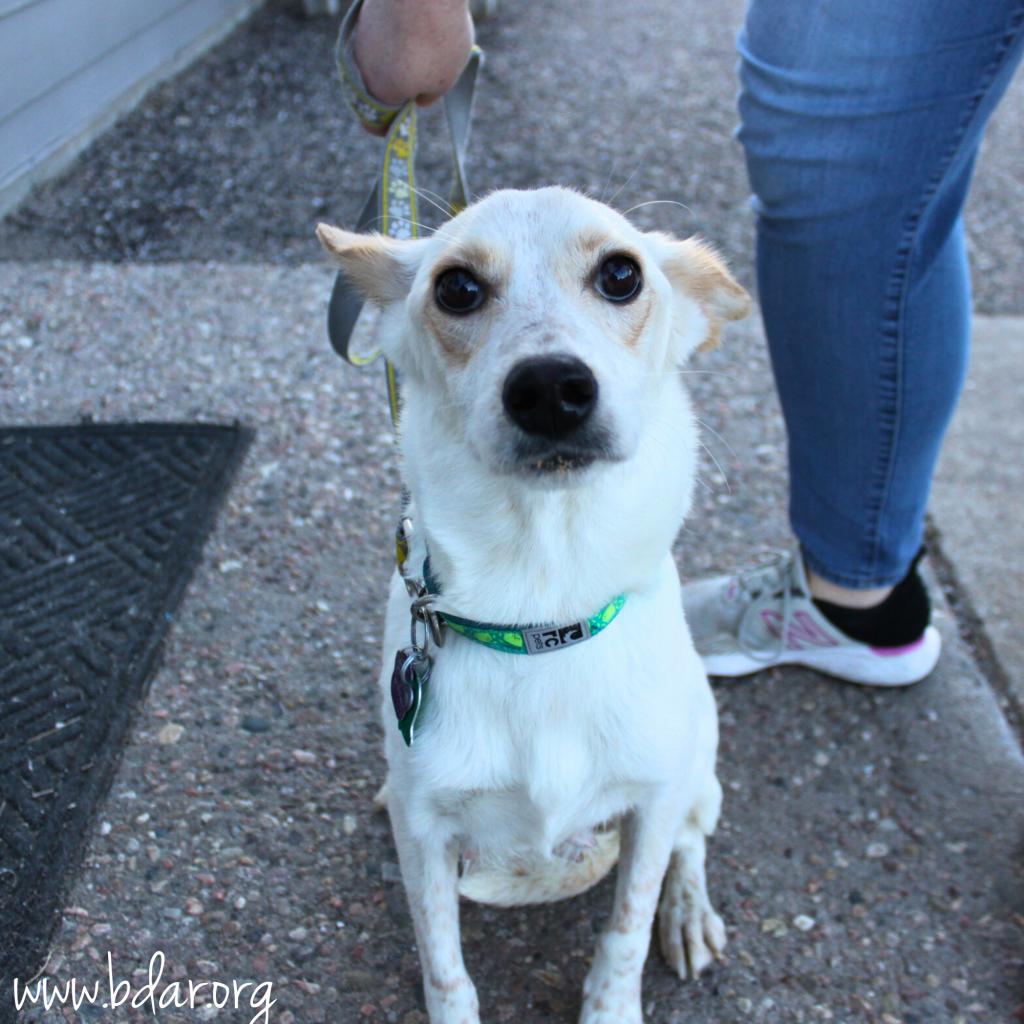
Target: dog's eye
458 291
618 279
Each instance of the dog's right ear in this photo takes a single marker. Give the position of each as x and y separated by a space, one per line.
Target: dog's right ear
381 268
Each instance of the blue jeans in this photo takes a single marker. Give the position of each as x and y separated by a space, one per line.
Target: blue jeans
861 121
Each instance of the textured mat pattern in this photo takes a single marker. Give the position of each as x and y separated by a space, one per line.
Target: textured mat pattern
100 527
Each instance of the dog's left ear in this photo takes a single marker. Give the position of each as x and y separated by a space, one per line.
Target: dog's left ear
694 268
381 268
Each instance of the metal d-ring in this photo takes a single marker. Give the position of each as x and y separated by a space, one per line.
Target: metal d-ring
422 612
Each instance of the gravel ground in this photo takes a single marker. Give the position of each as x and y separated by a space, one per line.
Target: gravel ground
234 159
243 845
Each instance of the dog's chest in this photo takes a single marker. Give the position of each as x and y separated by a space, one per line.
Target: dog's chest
549 790
529 763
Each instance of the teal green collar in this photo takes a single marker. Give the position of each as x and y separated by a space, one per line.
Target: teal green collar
526 639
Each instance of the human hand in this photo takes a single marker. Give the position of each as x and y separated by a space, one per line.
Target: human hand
412 49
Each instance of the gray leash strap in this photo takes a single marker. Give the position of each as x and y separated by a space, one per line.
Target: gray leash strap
391 205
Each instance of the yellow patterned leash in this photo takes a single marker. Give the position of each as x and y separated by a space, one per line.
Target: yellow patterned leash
390 208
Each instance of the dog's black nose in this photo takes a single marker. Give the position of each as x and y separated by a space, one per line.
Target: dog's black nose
550 395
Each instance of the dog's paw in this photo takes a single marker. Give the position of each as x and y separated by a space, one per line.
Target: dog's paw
690 933
690 942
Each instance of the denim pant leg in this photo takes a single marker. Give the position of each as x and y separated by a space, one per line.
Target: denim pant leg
861 121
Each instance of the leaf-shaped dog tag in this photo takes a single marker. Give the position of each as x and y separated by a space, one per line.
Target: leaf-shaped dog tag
408 684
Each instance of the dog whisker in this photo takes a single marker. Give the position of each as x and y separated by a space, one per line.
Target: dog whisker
426 228
435 200
718 466
673 373
623 186
714 433
657 202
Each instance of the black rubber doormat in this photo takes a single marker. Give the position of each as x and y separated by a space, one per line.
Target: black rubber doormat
100 530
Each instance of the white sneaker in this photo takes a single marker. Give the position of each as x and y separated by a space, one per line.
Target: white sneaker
765 617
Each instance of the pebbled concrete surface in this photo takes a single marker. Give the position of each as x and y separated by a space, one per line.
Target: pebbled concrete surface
889 825
869 863
977 492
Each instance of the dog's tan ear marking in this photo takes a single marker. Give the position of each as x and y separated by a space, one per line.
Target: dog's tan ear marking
695 267
378 266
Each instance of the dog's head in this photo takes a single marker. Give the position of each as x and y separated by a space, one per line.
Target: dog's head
539 324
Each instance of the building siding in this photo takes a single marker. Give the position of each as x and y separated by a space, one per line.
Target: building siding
68 67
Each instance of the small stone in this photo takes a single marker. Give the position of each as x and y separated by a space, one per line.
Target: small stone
25 342
549 977
304 756
821 759
193 907
298 934
106 828
745 1004
348 824
254 724
877 850
803 923
358 981
170 734
230 565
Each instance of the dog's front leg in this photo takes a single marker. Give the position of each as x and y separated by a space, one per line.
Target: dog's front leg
430 873
611 992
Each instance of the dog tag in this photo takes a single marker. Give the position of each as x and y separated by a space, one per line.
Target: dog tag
408 684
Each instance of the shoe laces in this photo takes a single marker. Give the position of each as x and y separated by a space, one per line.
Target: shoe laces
779 578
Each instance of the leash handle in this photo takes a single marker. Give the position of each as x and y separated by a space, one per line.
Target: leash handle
390 208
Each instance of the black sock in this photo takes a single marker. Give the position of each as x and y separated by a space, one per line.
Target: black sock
900 619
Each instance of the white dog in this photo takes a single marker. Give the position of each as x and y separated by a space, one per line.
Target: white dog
549 450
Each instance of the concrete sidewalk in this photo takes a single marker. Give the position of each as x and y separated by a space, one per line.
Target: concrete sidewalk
868 862
976 504
868 865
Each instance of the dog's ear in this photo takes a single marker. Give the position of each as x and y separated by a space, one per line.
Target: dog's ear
696 269
382 269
